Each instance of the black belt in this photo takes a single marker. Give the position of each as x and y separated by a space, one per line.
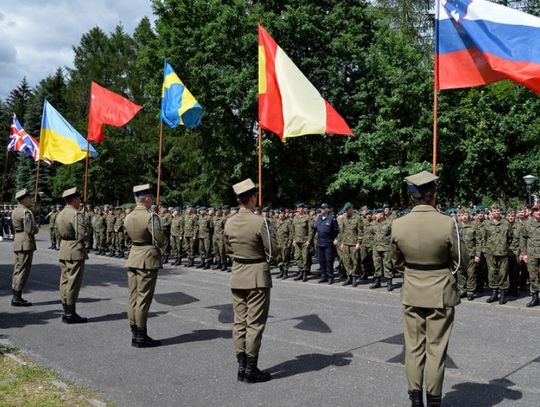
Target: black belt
249 261
427 267
142 244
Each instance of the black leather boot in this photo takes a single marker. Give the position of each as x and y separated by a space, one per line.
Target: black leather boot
112 253
502 298
224 267
416 398
285 274
390 285
144 341
253 374
191 262
18 300
121 254
355 281
133 334
433 401
304 276
348 281
242 362
494 296
71 317
207 264
201 265
534 300
281 273
299 276
217 266
376 283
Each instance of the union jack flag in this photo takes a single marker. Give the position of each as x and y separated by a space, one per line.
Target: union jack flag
20 140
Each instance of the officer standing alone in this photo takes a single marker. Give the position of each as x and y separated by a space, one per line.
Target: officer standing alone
251 242
424 246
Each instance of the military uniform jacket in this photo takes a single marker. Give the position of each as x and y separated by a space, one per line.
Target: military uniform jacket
52 220
144 230
426 237
350 230
516 235
166 221
119 224
219 225
303 230
247 237
367 237
472 241
71 227
25 230
110 220
177 226
496 237
479 226
381 234
283 228
204 229
529 243
100 224
190 225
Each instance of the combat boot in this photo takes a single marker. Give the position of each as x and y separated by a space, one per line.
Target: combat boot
165 259
217 266
191 262
207 265
281 273
389 285
376 283
253 374
534 300
494 296
285 274
201 265
416 398
224 267
18 300
355 281
71 317
242 361
304 276
471 296
502 298
144 341
133 334
348 281
433 401
112 253
299 276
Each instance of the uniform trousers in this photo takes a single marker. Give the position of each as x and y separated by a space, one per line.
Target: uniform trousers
302 255
21 270
382 263
250 314
533 265
141 287
327 255
71 275
426 332
349 257
497 272
467 277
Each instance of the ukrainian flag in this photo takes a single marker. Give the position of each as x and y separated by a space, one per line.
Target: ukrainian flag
59 140
178 106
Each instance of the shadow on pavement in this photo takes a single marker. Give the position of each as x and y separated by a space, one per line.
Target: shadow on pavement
121 316
312 323
226 313
175 299
23 318
481 394
309 362
80 300
198 335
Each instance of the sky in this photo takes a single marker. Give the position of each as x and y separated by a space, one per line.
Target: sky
37 36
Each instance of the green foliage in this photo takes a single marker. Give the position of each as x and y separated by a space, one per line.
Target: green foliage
371 60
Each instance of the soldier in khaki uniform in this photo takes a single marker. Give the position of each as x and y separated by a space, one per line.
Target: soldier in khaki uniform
303 232
204 235
424 246
283 230
144 230
190 235
71 227
473 242
119 233
381 231
220 251
530 253
52 226
24 245
496 239
177 231
251 242
366 250
349 239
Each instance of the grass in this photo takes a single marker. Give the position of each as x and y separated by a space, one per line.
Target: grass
32 385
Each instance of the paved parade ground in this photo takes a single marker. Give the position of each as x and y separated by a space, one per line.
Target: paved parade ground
325 345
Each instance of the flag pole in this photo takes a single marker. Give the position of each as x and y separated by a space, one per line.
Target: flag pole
85 196
435 88
159 162
4 176
37 184
260 165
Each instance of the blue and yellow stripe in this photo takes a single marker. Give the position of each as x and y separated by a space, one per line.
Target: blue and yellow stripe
178 106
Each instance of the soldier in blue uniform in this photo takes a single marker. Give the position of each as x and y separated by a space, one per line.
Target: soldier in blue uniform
327 230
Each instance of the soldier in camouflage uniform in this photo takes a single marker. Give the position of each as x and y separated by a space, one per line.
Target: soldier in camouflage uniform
110 220
479 222
127 240
496 238
381 233
366 250
530 253
204 236
52 227
218 241
89 216
303 232
119 232
177 230
350 239
101 232
284 237
513 255
191 224
467 273
166 220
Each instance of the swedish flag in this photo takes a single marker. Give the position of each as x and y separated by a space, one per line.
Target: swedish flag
178 106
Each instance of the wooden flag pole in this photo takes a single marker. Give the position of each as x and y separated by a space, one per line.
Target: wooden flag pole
87 163
159 162
4 176
38 165
260 165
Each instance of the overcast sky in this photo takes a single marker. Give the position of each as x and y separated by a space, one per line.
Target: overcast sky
37 36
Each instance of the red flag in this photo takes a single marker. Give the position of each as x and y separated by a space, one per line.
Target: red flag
107 107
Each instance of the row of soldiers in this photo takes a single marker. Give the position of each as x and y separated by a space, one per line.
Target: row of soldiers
502 243
7 231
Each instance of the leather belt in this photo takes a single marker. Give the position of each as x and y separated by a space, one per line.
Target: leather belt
142 244
427 267
249 261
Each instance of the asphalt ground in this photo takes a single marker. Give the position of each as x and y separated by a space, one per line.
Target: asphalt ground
325 345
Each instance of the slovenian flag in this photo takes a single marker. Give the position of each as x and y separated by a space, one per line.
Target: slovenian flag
289 105
478 42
